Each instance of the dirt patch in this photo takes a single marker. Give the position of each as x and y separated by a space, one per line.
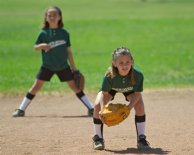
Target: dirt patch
58 125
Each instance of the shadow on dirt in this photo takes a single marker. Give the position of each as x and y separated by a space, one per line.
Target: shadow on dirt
57 116
136 151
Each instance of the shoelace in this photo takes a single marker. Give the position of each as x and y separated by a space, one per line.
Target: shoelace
96 139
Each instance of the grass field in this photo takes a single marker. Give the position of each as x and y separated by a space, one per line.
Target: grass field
159 32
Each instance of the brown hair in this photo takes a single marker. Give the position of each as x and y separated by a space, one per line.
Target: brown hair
60 23
113 71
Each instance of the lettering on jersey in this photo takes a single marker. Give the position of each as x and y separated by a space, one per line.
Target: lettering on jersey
54 44
123 90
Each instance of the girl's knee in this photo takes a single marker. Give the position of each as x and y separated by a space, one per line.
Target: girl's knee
96 110
97 107
139 108
36 86
73 86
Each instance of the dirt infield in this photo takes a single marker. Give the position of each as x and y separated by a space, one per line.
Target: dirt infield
58 125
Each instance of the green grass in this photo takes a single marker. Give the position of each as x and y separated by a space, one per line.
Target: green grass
159 32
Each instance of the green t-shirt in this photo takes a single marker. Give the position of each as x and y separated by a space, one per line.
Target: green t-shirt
56 58
123 84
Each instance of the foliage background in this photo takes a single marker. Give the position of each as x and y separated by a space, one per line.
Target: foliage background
159 32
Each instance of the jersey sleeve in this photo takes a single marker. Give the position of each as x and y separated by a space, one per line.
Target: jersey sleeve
106 84
139 83
68 40
40 38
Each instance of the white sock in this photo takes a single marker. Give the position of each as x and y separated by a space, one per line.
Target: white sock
86 102
140 128
24 103
97 130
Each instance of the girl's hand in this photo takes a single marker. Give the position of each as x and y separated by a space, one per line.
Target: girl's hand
45 47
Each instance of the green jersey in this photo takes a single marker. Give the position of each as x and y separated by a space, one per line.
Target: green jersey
123 84
56 58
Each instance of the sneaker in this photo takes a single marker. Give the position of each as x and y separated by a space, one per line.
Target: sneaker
90 112
142 143
18 113
98 143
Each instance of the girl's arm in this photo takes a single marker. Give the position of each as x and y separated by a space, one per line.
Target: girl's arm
134 98
71 60
42 46
101 100
105 98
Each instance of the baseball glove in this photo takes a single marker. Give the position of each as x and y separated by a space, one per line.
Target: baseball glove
113 114
79 79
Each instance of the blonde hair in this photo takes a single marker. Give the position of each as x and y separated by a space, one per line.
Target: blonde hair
113 71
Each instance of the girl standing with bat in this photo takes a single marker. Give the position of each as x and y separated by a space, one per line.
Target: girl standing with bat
54 43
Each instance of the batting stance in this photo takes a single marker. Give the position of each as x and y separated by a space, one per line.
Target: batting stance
123 78
54 42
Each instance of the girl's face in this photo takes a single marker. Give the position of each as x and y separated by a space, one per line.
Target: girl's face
52 18
123 64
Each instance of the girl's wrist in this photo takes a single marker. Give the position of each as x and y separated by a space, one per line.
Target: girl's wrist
130 107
